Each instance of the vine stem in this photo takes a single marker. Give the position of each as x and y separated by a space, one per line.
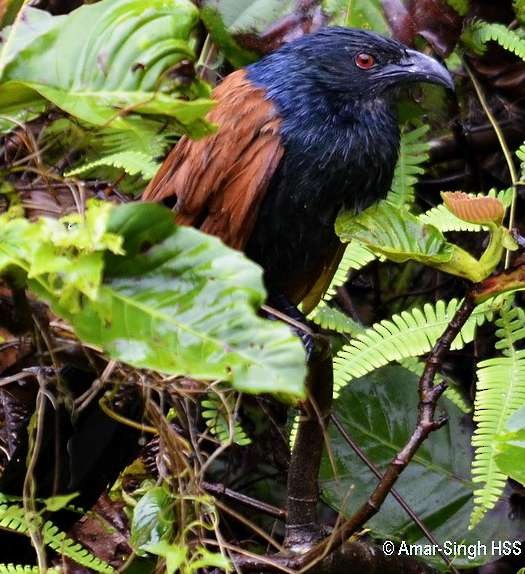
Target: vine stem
504 147
36 430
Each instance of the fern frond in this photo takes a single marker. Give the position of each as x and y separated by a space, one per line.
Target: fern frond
333 319
500 393
444 220
134 150
146 136
413 152
59 541
132 162
479 33
460 6
409 334
452 393
23 569
14 518
218 415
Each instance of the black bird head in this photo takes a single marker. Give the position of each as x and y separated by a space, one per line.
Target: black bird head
348 64
365 63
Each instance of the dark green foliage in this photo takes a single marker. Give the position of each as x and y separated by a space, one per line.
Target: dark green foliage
379 412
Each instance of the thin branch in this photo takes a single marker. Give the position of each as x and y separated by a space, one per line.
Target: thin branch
220 491
402 502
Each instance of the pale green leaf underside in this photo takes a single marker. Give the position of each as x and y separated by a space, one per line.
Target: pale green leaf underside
395 233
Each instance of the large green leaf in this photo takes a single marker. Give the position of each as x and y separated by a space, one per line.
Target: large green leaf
395 233
18 103
178 301
153 519
121 65
379 411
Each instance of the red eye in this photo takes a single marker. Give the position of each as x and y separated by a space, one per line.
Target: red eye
365 61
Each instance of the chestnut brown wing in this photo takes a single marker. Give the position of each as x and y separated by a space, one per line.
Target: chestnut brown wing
219 181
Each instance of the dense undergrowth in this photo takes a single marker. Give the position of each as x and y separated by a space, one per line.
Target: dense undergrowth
145 402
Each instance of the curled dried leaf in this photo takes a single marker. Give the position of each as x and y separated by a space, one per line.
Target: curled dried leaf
480 210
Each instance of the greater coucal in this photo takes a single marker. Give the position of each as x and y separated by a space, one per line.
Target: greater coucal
307 130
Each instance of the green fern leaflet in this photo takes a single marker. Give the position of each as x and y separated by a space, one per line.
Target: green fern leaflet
479 33
500 393
409 334
413 152
23 569
131 162
220 419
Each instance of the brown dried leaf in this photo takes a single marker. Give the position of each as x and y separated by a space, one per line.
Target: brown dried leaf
104 531
480 210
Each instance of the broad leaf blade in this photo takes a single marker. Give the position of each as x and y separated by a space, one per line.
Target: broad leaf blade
379 411
366 14
395 233
245 29
122 65
180 302
153 519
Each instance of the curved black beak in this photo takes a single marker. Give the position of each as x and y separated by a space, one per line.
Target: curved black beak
418 67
